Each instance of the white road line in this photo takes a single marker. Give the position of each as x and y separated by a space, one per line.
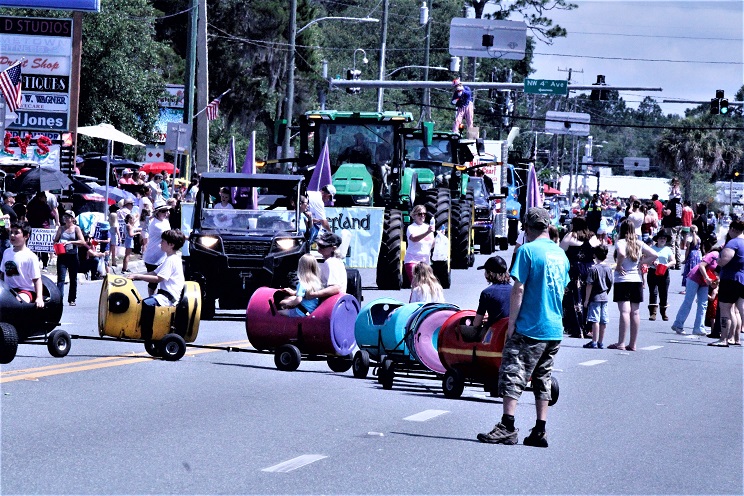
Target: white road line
592 362
426 415
650 348
294 463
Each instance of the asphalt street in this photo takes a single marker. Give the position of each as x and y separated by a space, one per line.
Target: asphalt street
109 419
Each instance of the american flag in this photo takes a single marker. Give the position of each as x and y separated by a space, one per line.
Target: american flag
10 84
213 108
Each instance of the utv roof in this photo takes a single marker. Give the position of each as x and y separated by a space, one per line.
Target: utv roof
338 115
239 179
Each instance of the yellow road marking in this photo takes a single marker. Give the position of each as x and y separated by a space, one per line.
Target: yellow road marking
96 363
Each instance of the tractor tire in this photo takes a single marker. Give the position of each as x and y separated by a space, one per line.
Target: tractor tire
443 222
487 246
461 240
389 263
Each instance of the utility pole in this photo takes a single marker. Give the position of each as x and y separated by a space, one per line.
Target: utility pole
202 89
188 103
289 108
383 48
426 110
563 143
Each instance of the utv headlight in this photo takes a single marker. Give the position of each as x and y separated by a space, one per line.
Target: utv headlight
210 242
361 200
285 244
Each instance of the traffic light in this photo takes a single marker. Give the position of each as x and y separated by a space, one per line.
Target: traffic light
353 75
719 104
599 94
715 106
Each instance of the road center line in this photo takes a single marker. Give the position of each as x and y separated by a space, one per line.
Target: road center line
650 348
93 364
293 464
591 363
426 415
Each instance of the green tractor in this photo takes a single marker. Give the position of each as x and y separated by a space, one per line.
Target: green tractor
438 158
368 165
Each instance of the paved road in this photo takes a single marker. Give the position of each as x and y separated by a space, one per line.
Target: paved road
109 419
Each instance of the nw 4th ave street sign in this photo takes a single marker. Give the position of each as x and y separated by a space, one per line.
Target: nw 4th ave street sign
546 86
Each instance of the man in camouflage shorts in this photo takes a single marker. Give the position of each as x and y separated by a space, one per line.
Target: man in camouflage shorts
534 334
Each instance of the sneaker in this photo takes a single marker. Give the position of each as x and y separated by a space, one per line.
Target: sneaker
591 344
703 333
678 330
499 435
536 439
600 346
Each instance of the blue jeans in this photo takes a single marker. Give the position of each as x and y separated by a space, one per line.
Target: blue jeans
65 262
693 290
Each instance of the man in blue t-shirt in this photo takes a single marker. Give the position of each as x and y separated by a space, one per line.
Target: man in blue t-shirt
540 274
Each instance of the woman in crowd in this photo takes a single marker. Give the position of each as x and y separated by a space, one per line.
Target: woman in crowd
72 237
692 255
700 280
579 247
420 237
658 275
637 215
630 253
731 286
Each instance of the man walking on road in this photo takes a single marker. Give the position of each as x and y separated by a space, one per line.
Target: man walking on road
535 330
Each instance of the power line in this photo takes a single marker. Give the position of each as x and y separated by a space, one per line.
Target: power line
656 36
637 59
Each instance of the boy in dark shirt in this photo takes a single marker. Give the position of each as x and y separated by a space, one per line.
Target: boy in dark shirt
494 300
598 285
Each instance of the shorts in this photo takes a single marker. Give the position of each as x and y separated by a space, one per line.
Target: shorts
522 358
129 243
597 312
684 229
628 291
729 291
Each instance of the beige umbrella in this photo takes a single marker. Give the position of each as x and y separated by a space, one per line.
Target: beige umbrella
111 134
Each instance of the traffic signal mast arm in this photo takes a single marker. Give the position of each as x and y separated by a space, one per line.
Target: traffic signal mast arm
341 83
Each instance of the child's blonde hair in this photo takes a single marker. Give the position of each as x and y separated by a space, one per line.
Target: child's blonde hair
424 278
308 273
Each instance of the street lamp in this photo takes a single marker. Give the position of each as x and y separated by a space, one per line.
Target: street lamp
365 59
293 32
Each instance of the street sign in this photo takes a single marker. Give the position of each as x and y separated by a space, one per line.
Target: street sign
178 139
571 123
488 38
636 163
546 86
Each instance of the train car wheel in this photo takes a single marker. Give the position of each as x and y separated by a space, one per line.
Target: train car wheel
287 358
59 343
360 364
172 347
453 384
340 364
387 374
554 391
9 343
152 349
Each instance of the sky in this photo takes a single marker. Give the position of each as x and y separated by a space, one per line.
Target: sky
678 40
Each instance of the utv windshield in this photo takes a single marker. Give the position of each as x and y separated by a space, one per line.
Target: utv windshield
242 209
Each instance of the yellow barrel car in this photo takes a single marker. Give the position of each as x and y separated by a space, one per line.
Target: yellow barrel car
120 316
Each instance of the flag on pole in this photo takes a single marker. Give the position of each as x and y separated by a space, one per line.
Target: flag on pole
322 173
213 108
249 167
10 84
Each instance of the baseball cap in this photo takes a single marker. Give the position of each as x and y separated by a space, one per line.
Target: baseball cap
126 171
8 194
495 264
328 239
538 218
330 189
